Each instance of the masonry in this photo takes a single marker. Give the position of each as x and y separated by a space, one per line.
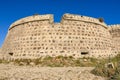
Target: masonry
78 36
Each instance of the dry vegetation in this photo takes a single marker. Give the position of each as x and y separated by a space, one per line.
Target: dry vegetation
110 73
58 61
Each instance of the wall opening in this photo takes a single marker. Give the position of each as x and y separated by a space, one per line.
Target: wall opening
84 53
11 54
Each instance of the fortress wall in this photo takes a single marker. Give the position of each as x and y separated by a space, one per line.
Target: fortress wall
23 39
88 37
115 32
36 36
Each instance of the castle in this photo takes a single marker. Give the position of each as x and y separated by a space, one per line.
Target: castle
78 36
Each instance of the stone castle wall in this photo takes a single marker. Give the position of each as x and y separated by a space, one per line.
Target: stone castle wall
75 35
93 36
115 32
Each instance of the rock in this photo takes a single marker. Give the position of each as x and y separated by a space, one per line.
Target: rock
32 63
85 60
109 65
22 63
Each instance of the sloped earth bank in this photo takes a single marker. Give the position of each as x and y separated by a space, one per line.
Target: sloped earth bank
12 72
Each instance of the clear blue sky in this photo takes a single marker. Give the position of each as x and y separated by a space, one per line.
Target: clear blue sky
12 10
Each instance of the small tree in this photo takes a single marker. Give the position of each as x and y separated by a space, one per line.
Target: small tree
101 19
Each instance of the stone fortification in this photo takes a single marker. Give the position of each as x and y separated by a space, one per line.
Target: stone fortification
115 33
75 35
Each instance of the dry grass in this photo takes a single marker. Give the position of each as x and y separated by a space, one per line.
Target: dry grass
58 61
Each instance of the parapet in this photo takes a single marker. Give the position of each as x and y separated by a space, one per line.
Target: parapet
51 19
83 18
116 26
33 18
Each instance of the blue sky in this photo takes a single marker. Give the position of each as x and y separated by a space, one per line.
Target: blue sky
12 10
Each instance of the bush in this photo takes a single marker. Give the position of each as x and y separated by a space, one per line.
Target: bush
116 75
100 70
111 73
101 19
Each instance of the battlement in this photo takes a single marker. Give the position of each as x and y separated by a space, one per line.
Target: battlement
33 18
83 18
